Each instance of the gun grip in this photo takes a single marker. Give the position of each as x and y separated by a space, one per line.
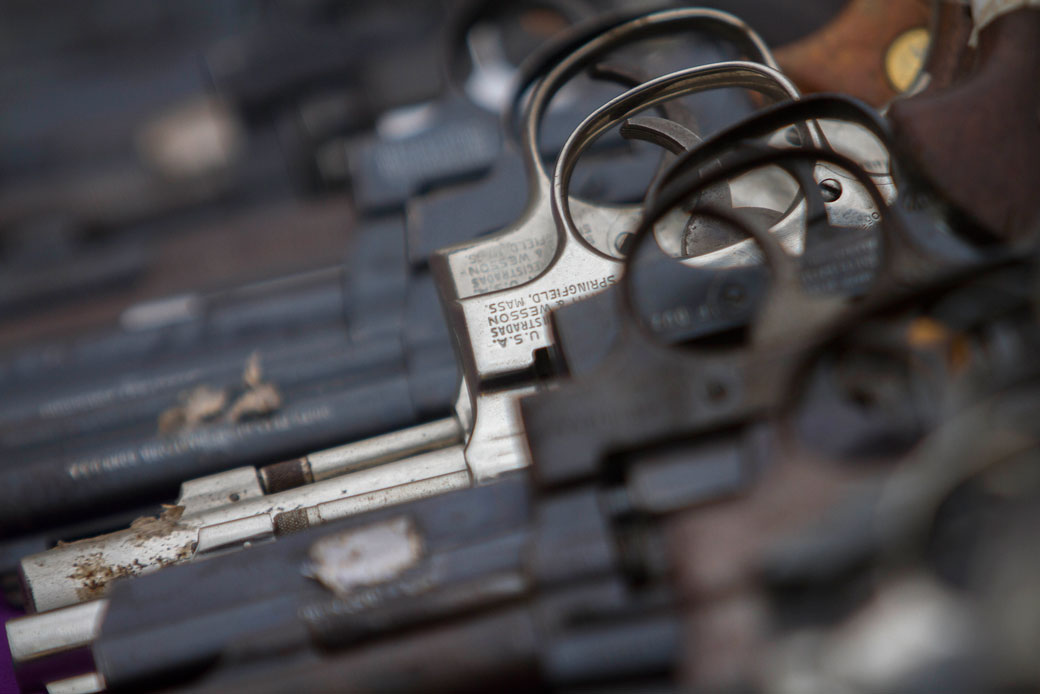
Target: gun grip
949 55
978 140
851 53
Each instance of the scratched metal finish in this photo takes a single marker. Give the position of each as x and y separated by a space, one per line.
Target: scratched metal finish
771 430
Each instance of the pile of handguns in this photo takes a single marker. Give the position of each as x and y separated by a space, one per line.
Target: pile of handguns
650 374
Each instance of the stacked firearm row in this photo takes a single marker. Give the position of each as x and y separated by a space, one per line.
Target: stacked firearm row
665 376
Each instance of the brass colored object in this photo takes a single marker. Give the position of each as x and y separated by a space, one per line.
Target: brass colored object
905 58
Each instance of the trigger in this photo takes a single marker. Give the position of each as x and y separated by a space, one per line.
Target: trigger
663 132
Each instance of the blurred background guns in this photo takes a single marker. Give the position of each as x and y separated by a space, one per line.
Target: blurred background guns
540 345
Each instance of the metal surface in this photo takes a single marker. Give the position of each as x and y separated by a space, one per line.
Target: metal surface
81 684
499 333
40 635
361 454
773 429
728 386
521 251
228 510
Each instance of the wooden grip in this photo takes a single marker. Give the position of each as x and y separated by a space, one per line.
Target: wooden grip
978 140
865 51
949 56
